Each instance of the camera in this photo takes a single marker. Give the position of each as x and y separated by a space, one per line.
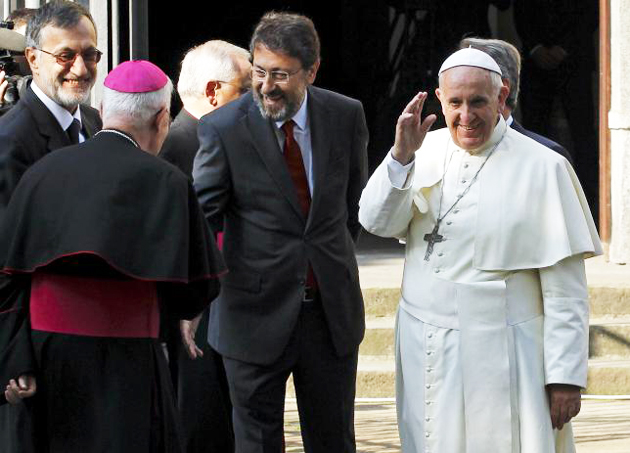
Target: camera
12 45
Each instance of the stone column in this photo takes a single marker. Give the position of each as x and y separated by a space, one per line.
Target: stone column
619 124
98 10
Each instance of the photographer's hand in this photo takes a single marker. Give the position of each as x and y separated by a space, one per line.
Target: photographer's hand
3 87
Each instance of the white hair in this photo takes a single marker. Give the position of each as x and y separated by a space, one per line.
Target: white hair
136 108
213 60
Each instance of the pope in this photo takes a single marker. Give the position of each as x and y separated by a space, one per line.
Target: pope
492 326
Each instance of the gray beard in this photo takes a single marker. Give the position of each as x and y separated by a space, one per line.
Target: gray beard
283 114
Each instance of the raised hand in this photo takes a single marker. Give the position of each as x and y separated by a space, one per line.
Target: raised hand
411 130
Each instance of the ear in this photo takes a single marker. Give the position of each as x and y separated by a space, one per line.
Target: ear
312 72
211 92
163 118
503 94
31 58
440 95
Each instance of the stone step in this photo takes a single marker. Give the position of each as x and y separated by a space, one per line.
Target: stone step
604 301
609 337
375 377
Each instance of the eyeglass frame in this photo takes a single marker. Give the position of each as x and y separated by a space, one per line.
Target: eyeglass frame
59 59
273 75
242 89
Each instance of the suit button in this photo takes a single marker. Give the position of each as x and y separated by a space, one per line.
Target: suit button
302 282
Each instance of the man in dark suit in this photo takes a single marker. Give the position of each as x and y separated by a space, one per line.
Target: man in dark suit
509 60
284 167
61 51
213 74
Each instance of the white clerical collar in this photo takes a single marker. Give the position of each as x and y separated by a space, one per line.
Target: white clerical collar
300 117
63 117
510 120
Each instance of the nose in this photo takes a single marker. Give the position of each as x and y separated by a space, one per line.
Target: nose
466 114
79 68
268 84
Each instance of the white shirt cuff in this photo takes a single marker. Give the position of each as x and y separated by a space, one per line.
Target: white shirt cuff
398 173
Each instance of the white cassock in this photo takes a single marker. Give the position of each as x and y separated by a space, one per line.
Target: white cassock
500 309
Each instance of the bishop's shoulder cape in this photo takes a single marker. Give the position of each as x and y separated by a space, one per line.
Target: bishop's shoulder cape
103 206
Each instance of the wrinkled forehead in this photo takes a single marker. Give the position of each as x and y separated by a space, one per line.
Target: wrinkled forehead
467 77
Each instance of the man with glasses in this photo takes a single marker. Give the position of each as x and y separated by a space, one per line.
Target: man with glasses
213 74
61 51
283 168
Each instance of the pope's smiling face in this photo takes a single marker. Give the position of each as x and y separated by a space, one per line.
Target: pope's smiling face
472 100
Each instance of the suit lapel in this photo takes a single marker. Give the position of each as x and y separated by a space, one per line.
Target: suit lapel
321 134
264 141
46 122
90 123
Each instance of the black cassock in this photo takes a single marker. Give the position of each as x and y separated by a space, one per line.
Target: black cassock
109 215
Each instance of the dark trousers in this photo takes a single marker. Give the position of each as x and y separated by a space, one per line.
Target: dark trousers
325 387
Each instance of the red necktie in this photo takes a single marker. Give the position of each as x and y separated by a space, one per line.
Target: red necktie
293 157
295 164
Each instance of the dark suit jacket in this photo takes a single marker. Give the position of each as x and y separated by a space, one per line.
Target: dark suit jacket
557 147
182 143
240 175
27 133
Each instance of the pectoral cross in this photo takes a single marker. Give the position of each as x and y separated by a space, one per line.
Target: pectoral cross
432 238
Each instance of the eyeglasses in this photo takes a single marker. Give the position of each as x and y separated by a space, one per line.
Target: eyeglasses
260 75
68 57
242 89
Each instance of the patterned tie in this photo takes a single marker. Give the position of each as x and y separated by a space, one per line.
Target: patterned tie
73 131
293 157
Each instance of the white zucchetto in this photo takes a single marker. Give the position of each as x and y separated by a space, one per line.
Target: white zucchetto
471 57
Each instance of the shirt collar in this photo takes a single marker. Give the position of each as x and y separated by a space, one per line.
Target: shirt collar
63 117
510 120
301 115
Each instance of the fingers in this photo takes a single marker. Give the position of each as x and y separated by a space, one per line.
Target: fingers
188 330
25 387
3 87
564 404
414 107
427 123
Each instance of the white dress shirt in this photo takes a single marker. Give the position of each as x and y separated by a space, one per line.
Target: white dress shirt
63 116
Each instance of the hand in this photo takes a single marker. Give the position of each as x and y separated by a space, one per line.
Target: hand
188 329
25 387
3 87
564 403
411 130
